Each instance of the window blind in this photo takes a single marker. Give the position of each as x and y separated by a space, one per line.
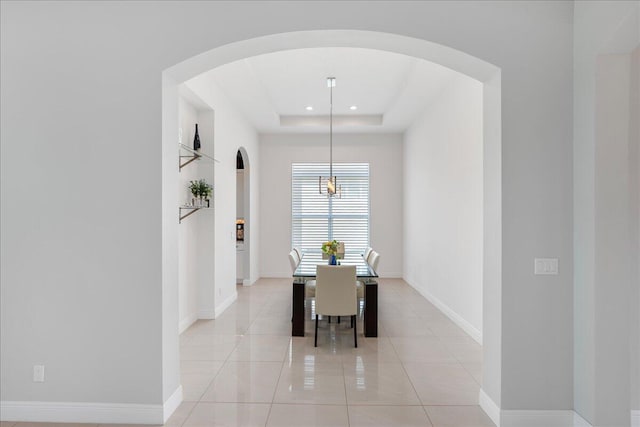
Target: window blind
315 218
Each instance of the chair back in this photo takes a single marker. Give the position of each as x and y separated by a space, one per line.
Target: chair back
367 253
293 260
336 290
374 259
298 254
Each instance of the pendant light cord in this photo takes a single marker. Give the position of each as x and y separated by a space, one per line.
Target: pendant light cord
331 131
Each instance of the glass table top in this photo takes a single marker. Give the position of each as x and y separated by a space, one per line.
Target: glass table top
310 260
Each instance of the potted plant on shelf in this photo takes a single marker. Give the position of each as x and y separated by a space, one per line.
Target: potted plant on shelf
205 192
194 186
201 192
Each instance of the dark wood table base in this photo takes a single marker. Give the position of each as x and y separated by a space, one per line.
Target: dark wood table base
370 309
297 321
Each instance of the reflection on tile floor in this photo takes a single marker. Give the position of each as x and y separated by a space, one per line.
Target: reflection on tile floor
244 368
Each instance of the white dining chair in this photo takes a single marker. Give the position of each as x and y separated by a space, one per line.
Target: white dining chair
374 259
298 253
366 254
293 261
309 285
336 294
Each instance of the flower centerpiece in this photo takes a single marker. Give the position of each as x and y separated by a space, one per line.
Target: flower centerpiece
331 248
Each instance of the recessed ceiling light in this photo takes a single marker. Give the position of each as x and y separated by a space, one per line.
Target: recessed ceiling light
308 108
353 107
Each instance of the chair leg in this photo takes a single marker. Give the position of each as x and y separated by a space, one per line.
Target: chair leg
355 331
352 322
329 319
338 319
315 341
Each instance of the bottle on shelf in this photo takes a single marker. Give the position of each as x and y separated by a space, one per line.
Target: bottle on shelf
196 140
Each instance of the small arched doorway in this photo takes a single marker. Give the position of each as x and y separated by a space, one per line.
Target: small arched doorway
243 218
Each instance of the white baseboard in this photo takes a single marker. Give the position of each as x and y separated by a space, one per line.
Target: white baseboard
220 308
455 317
516 418
276 275
206 314
186 322
82 412
635 418
489 407
386 275
559 418
578 421
247 282
172 403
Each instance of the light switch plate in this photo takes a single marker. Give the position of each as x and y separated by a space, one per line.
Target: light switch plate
545 266
38 373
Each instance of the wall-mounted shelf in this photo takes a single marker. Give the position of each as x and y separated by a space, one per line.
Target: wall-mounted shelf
188 155
190 210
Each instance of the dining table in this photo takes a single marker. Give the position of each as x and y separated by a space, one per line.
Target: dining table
306 270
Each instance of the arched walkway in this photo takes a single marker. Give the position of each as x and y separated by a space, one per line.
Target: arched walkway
488 74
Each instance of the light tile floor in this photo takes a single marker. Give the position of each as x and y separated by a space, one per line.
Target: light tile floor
244 369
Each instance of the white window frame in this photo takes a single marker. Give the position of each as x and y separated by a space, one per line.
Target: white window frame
308 204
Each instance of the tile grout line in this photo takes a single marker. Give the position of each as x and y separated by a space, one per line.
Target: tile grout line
268 307
344 383
402 363
247 333
214 376
424 408
275 390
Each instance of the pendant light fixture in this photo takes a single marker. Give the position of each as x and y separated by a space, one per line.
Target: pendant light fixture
329 185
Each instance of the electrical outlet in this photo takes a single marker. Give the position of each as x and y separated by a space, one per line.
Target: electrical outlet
38 373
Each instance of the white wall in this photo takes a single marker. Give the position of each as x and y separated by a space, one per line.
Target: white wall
188 232
443 203
634 205
384 155
603 254
204 221
196 236
231 131
94 110
612 328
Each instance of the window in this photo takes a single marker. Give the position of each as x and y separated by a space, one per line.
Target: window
315 218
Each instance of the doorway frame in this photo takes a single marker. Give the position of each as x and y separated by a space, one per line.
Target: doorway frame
484 72
246 267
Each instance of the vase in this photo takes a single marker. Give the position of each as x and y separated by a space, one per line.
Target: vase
332 260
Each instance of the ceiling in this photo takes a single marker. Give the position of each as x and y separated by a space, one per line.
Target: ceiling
390 90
